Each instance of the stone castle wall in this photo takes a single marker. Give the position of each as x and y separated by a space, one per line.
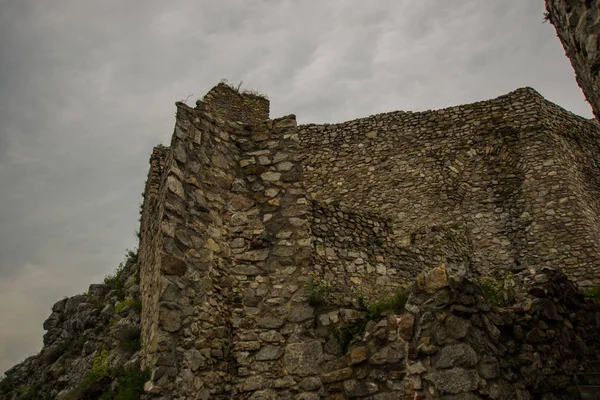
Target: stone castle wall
150 249
495 169
577 24
243 215
183 257
225 255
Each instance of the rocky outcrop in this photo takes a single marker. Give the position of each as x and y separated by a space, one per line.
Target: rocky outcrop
577 24
91 346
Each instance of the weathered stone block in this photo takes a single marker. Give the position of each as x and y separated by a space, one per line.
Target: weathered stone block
172 265
303 359
457 355
358 354
170 320
454 381
269 353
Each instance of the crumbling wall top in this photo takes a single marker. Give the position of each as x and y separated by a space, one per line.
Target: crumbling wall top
229 103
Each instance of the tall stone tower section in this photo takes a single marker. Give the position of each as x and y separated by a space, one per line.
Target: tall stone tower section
224 252
577 24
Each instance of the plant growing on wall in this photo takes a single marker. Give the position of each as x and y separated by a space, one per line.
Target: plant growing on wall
133 303
492 290
375 310
394 303
592 293
498 293
317 289
238 89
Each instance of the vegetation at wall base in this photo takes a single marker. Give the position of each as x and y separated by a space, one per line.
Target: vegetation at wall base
592 293
116 281
135 304
98 384
130 339
395 303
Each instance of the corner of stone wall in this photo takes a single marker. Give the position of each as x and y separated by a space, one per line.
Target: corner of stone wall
275 348
184 261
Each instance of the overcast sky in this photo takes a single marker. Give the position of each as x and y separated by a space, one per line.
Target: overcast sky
88 87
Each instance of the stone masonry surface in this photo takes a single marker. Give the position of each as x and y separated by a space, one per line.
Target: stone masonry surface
241 209
517 176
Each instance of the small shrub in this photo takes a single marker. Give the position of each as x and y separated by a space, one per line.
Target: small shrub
59 372
133 303
237 89
362 301
129 339
114 282
68 347
96 382
492 290
546 17
117 281
130 385
25 392
89 388
346 334
455 226
395 303
101 366
573 134
592 293
256 93
6 384
317 289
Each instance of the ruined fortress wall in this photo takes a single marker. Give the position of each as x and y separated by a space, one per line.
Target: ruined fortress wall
225 259
577 25
244 216
150 245
484 170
